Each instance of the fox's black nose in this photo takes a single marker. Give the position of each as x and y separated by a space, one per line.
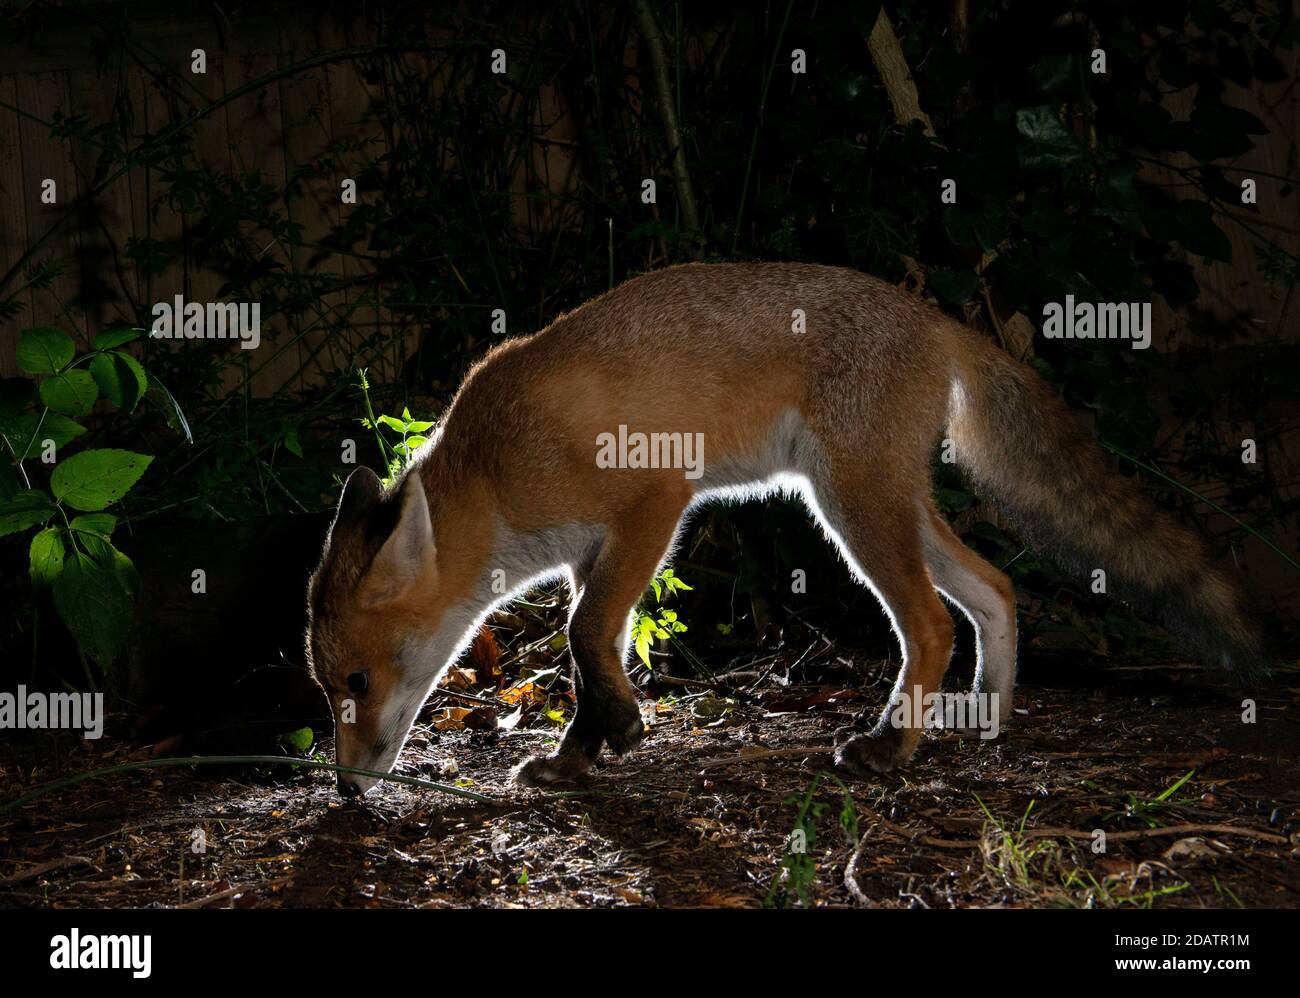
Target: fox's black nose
347 788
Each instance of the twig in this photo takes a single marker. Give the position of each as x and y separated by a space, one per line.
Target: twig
766 754
758 125
240 760
1147 833
203 902
675 681
185 819
32 872
914 836
654 41
851 873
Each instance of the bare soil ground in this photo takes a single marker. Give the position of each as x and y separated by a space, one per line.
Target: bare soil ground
703 813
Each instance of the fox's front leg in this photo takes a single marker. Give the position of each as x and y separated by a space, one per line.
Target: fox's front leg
607 711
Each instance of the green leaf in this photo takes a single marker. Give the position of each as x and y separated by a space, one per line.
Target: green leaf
1049 142
673 582
1225 121
44 350
1117 195
956 288
393 423
94 605
102 550
291 442
101 524
28 432
171 408
418 426
72 393
120 377
46 555
93 479
1199 233
1055 72
299 741
111 338
24 510
643 631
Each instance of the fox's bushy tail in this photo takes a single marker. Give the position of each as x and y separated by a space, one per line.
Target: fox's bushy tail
1029 453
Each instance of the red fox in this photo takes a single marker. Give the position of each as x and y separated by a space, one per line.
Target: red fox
816 379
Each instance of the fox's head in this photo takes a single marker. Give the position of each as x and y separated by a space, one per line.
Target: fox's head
372 605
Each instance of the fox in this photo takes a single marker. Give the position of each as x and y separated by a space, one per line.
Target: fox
818 381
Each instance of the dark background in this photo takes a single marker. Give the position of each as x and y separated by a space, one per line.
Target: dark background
522 192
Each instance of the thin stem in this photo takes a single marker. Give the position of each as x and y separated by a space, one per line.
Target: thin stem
239 760
758 125
1209 502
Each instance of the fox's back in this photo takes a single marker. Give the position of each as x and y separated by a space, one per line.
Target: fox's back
737 352
696 311
730 331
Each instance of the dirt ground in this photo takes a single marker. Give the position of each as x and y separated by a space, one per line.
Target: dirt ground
707 811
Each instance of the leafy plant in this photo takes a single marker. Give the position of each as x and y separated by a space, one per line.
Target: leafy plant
1060 174
92 584
798 866
1149 811
413 432
1050 870
663 623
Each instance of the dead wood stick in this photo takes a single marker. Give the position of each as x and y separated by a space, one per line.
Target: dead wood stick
654 42
676 681
921 837
766 754
1072 833
887 54
32 872
851 873
1147 833
203 902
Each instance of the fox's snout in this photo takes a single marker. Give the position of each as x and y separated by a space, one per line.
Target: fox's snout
348 788
354 784
354 752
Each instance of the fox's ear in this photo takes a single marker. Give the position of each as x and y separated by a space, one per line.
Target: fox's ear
407 556
361 494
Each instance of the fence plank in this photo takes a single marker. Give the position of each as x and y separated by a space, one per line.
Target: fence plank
313 199
45 95
13 226
256 129
109 287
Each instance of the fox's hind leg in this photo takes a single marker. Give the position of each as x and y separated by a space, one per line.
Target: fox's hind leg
881 539
607 710
987 598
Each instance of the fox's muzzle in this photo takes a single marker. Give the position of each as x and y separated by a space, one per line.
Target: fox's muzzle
348 788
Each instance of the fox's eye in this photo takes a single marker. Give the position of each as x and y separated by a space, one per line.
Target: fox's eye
358 683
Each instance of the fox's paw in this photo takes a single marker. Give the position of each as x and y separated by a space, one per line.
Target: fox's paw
557 767
623 727
878 751
979 718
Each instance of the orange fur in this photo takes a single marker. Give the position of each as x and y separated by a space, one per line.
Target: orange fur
850 409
